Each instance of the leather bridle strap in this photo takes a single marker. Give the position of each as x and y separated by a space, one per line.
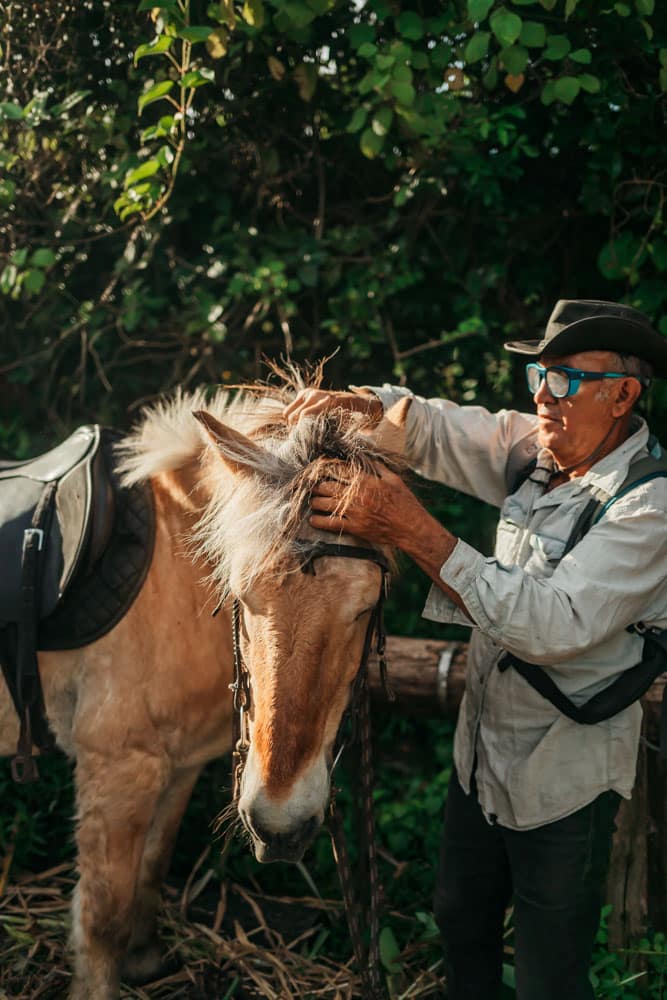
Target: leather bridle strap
370 969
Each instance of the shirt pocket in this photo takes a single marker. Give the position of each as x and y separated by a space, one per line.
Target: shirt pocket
545 554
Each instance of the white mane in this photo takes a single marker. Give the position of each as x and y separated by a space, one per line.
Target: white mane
253 518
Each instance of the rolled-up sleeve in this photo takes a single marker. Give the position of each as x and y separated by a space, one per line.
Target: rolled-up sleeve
615 576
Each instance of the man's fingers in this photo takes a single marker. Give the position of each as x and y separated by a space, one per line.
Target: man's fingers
327 522
329 488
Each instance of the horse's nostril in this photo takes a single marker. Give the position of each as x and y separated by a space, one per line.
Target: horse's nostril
293 839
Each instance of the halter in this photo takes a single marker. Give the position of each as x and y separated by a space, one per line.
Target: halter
308 552
367 960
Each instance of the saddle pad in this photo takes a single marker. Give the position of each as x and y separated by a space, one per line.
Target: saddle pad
97 598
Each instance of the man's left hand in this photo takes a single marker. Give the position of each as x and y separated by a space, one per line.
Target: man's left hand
381 509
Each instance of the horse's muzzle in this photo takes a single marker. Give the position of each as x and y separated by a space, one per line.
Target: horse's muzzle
289 845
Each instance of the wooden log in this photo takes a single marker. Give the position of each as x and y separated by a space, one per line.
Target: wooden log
427 676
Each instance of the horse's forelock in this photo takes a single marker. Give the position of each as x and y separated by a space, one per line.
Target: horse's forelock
252 521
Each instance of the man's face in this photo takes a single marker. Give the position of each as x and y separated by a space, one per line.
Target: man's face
572 428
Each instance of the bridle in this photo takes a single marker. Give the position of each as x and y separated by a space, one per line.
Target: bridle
307 553
358 711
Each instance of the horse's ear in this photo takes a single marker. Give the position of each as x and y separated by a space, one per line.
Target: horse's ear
239 453
390 433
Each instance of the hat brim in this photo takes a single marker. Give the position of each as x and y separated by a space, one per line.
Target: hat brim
601 334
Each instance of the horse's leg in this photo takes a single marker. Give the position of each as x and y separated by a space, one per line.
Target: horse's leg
117 797
143 960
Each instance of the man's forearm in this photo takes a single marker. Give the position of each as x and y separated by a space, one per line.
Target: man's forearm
430 545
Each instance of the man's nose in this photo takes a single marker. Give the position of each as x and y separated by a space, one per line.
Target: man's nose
543 395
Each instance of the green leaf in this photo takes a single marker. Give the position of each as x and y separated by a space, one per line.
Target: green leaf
419 60
567 88
478 9
69 102
620 256
358 120
663 57
382 121
404 93
648 29
11 111
390 953
155 93
557 48
384 61
146 169
622 9
645 7
371 143
514 59
42 258
582 56
198 77
8 278
367 50
253 13
402 74
299 14
570 7
33 281
155 48
659 254
533 34
477 47
167 5
441 55
7 191
20 257
505 26
360 33
548 4
589 83
663 78
410 25
548 95
195 33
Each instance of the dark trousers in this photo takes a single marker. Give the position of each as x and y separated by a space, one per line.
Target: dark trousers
555 876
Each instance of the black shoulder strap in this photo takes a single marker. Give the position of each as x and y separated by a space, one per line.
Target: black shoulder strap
636 680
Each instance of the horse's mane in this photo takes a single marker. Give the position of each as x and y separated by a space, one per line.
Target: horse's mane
252 521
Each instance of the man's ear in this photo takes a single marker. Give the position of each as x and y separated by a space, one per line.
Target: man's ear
627 394
390 433
240 454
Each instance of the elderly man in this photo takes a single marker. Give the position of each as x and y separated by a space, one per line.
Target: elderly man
531 805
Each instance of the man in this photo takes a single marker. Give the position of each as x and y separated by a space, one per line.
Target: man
531 805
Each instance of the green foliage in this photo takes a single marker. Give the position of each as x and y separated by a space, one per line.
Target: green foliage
410 186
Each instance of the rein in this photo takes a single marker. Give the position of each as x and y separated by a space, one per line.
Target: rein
359 712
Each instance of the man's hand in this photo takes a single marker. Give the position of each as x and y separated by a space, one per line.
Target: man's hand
310 402
382 508
386 512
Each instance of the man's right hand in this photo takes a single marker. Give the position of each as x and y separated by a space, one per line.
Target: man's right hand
310 402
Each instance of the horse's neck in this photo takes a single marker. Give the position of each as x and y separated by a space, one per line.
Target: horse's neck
181 496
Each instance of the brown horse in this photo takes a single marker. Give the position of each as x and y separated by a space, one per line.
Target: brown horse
142 709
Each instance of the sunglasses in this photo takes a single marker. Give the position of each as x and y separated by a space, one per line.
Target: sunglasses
562 381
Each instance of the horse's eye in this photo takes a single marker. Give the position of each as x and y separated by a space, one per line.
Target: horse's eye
366 611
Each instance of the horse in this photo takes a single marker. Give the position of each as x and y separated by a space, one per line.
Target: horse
143 708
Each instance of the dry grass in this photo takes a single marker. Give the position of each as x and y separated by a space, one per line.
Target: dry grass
222 941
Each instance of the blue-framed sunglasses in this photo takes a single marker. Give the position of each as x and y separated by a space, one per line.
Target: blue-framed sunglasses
562 381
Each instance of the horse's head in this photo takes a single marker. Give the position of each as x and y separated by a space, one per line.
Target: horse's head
303 613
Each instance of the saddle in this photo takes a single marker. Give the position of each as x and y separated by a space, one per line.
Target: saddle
75 546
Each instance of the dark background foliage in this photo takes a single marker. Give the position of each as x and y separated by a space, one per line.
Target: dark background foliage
189 187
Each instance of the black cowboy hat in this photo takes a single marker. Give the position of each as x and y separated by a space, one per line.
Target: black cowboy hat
589 325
